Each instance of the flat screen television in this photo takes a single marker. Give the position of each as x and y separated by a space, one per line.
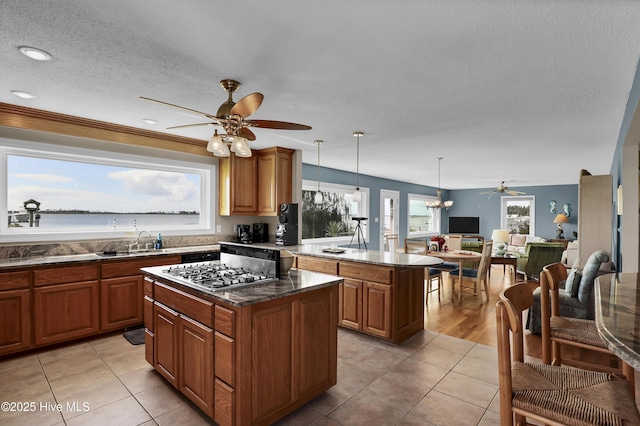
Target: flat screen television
464 225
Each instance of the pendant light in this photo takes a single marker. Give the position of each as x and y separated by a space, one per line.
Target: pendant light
357 194
218 146
318 199
439 204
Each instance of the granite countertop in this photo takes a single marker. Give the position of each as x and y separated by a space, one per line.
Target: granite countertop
618 315
87 257
296 282
366 256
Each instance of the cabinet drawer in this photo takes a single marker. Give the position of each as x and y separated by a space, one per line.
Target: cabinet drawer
225 321
223 403
14 280
317 264
65 274
125 268
148 313
148 345
148 287
360 271
198 309
224 358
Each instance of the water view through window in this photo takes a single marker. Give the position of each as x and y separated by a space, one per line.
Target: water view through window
81 195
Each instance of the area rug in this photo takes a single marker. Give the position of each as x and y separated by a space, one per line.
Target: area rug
135 337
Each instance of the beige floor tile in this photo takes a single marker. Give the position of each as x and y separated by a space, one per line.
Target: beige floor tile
366 410
357 376
468 389
420 372
410 420
379 358
490 419
83 360
60 354
80 377
452 344
186 415
93 396
495 403
20 362
441 409
394 389
437 356
25 381
115 346
348 348
160 400
325 421
126 412
142 379
127 362
484 353
478 369
332 398
303 416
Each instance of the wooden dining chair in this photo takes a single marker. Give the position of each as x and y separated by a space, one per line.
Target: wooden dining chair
558 331
432 276
390 242
477 276
412 246
550 394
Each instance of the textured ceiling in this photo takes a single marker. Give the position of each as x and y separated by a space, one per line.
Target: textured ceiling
521 91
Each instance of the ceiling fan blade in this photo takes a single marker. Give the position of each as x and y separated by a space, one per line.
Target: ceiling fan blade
247 134
271 124
247 105
192 125
213 117
487 192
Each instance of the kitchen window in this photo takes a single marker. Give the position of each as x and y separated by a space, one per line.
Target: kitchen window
423 221
332 221
76 193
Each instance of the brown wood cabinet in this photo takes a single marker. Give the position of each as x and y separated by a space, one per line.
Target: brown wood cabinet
166 349
15 311
383 301
196 363
255 186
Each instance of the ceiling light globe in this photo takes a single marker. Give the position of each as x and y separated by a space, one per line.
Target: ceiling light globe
357 195
318 199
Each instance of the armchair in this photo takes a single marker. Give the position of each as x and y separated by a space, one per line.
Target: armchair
575 301
536 256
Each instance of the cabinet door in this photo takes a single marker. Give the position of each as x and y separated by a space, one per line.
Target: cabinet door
274 180
166 342
376 307
196 363
15 333
121 302
66 311
350 304
238 180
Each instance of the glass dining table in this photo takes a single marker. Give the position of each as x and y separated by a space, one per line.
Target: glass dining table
617 305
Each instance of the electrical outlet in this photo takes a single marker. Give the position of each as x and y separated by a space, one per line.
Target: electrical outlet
219 229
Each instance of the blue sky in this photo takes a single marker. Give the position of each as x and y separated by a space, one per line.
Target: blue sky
74 185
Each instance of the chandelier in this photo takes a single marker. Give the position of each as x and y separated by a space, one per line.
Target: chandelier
224 145
439 204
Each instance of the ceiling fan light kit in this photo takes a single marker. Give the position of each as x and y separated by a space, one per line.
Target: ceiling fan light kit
232 117
439 204
357 194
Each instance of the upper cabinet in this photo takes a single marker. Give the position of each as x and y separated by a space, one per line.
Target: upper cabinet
255 186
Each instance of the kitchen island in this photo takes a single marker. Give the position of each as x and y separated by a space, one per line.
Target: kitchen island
383 292
249 355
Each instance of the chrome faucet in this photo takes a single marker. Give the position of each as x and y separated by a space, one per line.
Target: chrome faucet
140 234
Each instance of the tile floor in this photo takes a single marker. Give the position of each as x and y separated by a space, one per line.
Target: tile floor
430 379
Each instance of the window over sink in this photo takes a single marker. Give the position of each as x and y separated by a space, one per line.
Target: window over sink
83 193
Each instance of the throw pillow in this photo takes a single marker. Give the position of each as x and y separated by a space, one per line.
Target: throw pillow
572 284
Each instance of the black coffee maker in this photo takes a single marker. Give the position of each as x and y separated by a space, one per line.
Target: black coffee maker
244 234
287 229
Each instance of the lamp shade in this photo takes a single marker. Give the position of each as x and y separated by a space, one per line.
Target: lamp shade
500 235
561 218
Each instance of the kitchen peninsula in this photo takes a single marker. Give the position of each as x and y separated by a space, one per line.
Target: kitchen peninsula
383 292
244 355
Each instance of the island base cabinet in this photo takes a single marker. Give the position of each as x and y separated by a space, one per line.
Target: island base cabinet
351 304
15 333
196 363
165 342
376 302
66 311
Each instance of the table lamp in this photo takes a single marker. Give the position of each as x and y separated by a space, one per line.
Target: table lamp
500 238
560 219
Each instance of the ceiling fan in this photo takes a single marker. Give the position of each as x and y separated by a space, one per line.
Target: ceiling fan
502 190
232 116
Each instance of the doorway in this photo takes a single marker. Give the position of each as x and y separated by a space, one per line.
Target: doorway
389 218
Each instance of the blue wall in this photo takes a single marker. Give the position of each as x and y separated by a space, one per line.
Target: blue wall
467 202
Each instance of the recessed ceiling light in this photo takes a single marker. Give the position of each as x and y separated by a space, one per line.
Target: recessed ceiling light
23 95
33 53
150 121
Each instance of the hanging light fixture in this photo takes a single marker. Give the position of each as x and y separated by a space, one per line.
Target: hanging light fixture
357 194
223 145
318 199
439 204
218 146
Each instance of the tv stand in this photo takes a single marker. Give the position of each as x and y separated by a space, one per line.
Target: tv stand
468 237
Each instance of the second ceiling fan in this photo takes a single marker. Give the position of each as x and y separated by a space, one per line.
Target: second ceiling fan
503 190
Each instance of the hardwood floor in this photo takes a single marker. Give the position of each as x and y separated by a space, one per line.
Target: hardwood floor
474 319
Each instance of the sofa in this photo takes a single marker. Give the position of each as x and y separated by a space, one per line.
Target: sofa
518 242
536 256
581 302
